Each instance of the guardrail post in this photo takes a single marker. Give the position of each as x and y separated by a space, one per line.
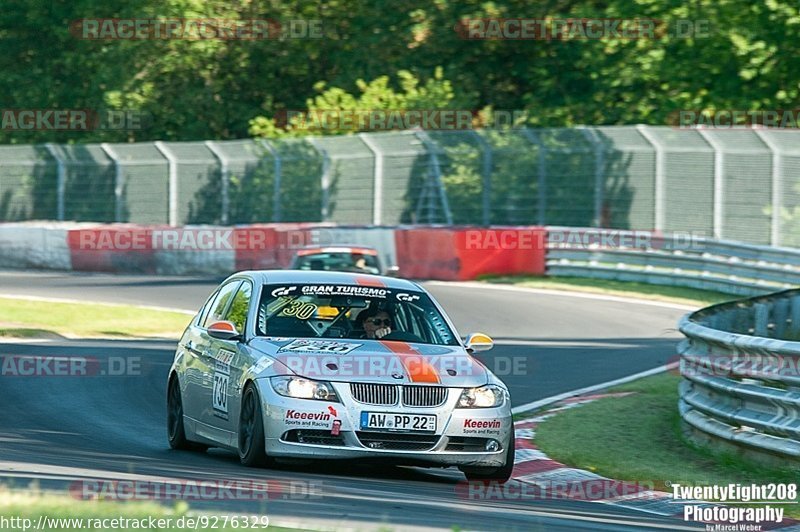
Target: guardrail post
225 175
777 188
277 170
761 320
119 179
780 317
61 179
794 315
172 163
660 177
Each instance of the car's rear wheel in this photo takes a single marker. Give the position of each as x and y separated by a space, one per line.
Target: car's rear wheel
176 434
499 474
251 430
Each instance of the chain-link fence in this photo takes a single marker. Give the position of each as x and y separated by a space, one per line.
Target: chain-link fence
737 184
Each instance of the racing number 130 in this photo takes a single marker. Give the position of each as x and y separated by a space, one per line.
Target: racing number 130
222 373
220 392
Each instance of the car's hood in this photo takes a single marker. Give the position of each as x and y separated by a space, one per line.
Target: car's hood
391 362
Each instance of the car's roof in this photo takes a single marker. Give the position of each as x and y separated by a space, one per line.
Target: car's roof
326 277
363 250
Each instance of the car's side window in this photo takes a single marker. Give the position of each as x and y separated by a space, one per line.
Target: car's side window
237 314
220 304
418 324
201 316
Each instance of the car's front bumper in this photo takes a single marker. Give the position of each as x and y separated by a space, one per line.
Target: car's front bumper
458 440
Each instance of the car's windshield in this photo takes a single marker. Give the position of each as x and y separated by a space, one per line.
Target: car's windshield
351 311
343 261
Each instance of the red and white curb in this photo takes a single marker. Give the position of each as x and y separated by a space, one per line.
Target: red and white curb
553 480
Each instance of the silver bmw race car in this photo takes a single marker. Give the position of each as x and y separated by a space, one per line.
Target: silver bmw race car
293 364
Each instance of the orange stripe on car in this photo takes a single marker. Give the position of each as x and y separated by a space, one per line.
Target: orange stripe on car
369 281
417 368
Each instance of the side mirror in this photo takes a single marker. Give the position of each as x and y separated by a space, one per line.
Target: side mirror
479 342
223 330
392 271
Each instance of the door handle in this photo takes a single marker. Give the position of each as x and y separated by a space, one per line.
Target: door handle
190 347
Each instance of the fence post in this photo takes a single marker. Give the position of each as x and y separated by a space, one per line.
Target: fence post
225 175
542 174
325 180
377 179
660 177
486 170
119 183
599 172
61 179
277 169
777 187
172 161
719 180
438 184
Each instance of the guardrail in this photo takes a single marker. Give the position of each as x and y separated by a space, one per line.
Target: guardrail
740 369
677 259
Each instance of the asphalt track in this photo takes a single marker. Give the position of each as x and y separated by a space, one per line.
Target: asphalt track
58 430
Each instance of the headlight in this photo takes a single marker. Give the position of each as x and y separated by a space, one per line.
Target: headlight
302 388
483 397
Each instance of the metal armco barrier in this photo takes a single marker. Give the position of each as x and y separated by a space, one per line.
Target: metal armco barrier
675 259
432 252
740 369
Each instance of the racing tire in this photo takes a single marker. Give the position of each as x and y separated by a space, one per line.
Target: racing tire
498 474
251 430
176 433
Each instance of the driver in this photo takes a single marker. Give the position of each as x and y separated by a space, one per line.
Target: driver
376 323
359 262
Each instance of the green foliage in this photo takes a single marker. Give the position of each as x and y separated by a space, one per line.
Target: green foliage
373 55
376 95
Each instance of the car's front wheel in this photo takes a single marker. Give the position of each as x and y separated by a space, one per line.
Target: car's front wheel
251 430
500 474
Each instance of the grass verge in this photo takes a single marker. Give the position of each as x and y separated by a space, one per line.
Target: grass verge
670 294
62 514
638 438
21 318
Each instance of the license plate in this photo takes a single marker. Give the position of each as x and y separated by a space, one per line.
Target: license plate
398 422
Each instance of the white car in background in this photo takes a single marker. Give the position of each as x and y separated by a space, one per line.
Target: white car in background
341 258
